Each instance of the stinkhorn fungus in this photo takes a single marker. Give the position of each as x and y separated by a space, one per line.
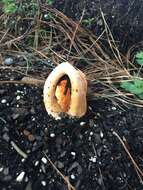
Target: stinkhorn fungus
65 91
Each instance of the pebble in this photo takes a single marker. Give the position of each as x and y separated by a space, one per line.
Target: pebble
6 171
91 133
73 153
82 123
20 176
46 16
31 138
36 163
44 160
3 101
23 160
33 118
43 183
114 108
8 61
6 137
101 134
18 97
52 135
72 176
15 115
93 159
1 169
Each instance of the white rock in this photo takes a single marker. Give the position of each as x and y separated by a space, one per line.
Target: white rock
82 123
20 176
36 163
91 133
101 134
72 176
8 61
73 153
43 183
52 135
93 159
18 97
44 160
114 108
3 101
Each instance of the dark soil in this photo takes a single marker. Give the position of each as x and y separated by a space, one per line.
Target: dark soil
123 17
84 150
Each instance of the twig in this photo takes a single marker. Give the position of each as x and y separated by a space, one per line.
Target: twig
18 150
24 80
138 170
70 187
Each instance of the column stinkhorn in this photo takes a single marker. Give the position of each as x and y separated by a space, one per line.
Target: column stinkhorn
65 91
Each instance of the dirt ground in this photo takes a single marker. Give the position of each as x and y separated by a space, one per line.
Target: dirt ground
123 17
39 153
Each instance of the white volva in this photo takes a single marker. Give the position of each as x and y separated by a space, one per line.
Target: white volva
78 104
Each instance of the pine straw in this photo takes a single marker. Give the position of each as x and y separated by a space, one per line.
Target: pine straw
62 39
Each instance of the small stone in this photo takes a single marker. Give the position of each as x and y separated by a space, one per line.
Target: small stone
43 183
8 61
31 138
72 176
3 101
44 160
20 177
1 169
26 179
91 123
43 168
15 116
36 163
6 137
18 97
46 16
32 110
91 133
114 108
73 153
92 159
33 118
23 160
52 135
26 132
82 123
6 171
101 134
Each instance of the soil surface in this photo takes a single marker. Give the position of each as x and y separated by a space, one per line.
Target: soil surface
34 147
123 17
85 150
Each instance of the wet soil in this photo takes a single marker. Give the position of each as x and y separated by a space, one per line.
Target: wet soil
123 17
85 150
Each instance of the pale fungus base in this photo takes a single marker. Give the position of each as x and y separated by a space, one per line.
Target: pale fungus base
65 91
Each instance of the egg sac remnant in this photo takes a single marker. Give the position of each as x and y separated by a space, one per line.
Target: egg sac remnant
65 91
